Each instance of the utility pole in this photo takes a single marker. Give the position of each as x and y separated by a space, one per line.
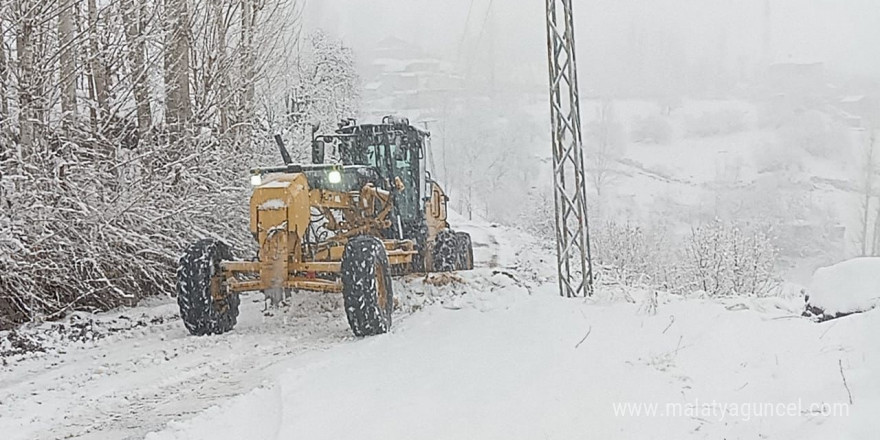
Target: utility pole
575 268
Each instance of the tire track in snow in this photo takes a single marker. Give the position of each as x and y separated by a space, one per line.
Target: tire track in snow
129 385
135 382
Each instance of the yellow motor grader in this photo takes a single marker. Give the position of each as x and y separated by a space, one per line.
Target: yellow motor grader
346 227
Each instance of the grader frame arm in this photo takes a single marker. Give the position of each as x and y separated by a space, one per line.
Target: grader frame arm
277 221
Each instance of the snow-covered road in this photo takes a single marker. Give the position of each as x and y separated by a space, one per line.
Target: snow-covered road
136 379
133 382
494 355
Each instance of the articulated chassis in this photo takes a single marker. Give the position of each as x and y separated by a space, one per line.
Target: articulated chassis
333 229
280 217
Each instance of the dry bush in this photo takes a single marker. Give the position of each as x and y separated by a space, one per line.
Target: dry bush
76 234
725 259
631 254
720 259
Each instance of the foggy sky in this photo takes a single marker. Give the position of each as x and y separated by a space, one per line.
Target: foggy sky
842 33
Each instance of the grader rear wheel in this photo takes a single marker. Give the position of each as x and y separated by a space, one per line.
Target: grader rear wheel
445 253
366 286
465 251
205 306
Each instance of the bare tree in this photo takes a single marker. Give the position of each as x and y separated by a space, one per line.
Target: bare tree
97 73
25 18
326 89
177 66
67 56
486 151
4 73
604 146
247 86
869 172
135 35
875 246
128 209
219 62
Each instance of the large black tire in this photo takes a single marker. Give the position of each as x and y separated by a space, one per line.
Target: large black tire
445 253
366 286
465 251
201 313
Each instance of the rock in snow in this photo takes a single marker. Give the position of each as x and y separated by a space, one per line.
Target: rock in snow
845 288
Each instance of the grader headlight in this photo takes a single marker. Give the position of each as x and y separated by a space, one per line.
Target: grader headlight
256 180
334 177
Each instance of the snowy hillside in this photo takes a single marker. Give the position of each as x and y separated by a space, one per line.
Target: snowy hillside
794 172
677 165
490 354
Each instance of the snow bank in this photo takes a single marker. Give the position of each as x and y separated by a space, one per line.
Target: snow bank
849 287
515 365
82 329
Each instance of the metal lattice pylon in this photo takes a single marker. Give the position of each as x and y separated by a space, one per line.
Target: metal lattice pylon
572 228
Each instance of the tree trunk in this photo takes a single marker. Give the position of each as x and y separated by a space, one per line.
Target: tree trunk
67 74
4 80
177 66
39 96
134 33
220 61
246 100
875 248
868 194
98 73
875 245
24 43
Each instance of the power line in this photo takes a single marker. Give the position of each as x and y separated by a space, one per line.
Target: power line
464 33
485 20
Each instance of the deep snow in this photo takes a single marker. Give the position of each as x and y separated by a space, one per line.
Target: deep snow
512 365
847 287
492 353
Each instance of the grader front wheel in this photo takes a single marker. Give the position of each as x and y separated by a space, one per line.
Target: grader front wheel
205 306
366 286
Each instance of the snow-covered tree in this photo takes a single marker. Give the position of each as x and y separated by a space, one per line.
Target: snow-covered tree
726 259
604 146
869 211
324 88
488 158
126 131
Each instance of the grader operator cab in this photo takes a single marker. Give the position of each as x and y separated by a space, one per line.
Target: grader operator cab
345 227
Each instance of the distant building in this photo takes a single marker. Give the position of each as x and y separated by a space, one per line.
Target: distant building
400 78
